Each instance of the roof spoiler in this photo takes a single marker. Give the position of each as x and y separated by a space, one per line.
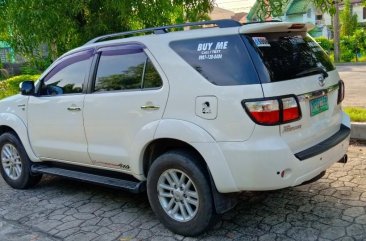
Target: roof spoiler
273 27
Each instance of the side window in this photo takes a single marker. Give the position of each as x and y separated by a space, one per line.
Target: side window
152 78
68 76
125 68
222 60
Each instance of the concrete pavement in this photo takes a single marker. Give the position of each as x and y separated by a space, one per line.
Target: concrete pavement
354 77
333 208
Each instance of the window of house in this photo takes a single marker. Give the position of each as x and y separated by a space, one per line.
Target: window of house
308 14
68 76
364 13
125 68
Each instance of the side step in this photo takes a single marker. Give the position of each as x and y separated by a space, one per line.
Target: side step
121 184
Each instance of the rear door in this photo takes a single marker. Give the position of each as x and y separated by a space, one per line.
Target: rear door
293 63
127 99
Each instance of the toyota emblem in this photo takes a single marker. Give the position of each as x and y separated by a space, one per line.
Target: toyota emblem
321 81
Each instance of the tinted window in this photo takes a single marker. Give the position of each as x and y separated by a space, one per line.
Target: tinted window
289 55
68 76
151 78
125 68
221 60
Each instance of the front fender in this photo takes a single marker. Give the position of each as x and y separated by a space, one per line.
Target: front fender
15 123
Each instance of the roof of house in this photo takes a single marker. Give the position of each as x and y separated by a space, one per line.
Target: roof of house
4 45
298 7
220 13
240 17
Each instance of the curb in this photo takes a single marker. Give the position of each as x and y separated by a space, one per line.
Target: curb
358 131
350 64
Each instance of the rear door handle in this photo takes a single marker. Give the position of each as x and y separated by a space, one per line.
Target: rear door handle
74 108
150 107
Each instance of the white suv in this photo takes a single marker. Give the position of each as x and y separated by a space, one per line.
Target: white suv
195 115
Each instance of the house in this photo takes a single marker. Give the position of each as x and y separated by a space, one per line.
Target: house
358 9
6 53
221 13
295 11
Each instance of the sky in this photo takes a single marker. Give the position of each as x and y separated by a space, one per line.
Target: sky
235 5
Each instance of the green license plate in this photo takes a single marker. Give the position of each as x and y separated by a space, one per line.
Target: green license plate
318 105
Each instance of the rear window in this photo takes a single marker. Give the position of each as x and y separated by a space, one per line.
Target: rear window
290 55
221 60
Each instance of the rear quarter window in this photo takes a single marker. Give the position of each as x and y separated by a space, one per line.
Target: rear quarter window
289 55
222 60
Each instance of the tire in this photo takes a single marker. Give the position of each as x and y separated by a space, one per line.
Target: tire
198 213
15 164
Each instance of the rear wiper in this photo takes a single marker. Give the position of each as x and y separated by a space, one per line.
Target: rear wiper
318 70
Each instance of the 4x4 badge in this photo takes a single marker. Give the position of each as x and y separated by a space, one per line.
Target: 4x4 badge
321 81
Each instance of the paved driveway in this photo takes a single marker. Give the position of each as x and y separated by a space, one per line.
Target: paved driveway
333 208
354 77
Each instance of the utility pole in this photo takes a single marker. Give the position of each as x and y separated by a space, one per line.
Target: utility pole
337 51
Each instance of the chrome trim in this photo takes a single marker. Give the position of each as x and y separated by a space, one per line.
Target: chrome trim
317 93
71 108
150 107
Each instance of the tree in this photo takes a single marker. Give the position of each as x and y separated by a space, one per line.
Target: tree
353 45
348 20
63 25
270 8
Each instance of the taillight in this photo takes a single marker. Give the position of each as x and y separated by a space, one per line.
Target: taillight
297 26
264 112
273 111
291 109
341 91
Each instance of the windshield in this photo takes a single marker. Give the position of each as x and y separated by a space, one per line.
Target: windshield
290 55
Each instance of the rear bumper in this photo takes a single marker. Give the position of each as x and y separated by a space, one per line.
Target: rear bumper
325 145
266 162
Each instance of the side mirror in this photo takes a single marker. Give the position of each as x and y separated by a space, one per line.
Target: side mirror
27 88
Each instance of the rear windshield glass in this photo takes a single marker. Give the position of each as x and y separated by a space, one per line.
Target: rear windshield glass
222 60
290 55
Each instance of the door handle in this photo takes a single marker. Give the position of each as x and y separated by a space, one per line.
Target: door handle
74 108
150 107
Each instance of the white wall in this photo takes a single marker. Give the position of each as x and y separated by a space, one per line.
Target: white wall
236 6
358 9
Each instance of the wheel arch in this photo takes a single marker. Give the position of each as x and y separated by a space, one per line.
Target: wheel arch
11 123
160 146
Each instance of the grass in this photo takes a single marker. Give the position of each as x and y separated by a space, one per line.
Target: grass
357 114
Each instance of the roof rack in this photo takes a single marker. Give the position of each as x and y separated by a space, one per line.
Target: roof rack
222 23
266 21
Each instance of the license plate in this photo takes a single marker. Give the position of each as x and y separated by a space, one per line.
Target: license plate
318 105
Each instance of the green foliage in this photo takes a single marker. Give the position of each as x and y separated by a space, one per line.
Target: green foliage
272 8
348 20
357 114
10 86
327 6
268 8
351 46
347 56
3 74
63 25
326 44
36 66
